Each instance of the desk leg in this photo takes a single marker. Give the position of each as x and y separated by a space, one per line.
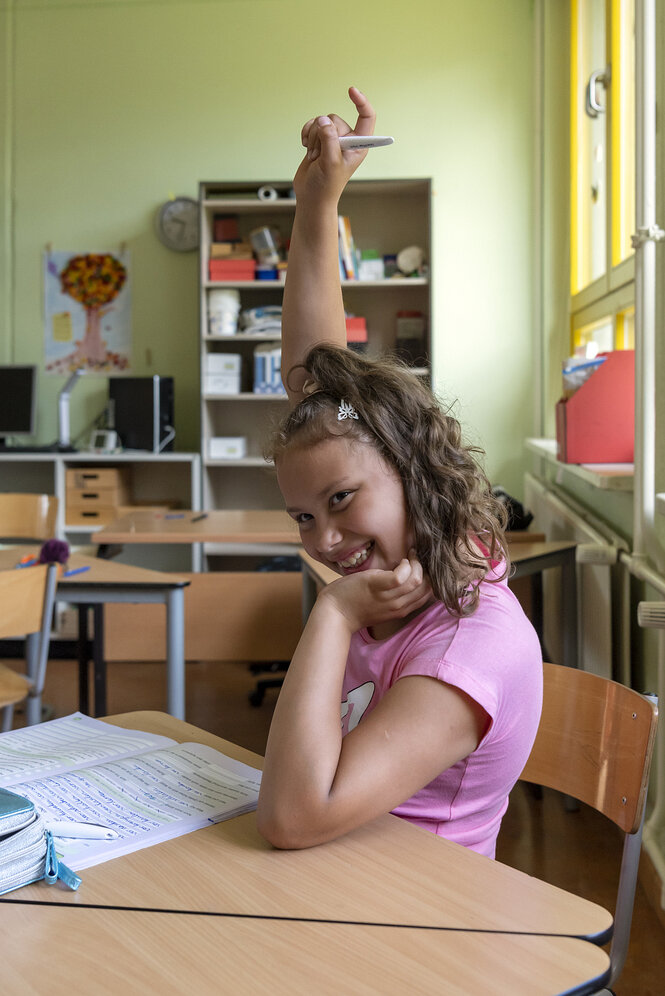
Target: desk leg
175 651
33 704
99 662
569 609
309 593
83 657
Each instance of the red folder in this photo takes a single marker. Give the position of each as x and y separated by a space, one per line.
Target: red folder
597 424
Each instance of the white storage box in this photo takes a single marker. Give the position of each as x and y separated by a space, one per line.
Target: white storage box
227 447
222 373
223 363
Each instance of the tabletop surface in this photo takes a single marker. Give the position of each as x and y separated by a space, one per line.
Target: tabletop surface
116 951
106 573
363 877
218 526
520 550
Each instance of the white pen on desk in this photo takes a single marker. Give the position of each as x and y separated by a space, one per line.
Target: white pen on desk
82 831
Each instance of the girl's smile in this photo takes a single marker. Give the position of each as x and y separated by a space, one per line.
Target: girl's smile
348 502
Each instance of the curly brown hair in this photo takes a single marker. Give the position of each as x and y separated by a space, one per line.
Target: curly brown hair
448 496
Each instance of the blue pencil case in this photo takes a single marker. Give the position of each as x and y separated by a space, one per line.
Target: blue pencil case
27 849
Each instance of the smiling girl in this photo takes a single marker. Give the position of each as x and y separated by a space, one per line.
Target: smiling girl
419 641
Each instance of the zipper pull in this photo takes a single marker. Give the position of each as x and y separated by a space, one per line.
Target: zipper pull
55 869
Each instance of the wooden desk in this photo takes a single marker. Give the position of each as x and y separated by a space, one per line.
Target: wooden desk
105 581
137 952
230 527
527 558
387 908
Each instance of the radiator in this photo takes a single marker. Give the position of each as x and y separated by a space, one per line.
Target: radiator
599 638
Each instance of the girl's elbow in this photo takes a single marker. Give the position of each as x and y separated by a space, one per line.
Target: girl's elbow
285 830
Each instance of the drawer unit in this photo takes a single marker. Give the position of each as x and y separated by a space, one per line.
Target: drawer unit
94 494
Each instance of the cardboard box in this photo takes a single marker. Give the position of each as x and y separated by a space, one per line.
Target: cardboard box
597 424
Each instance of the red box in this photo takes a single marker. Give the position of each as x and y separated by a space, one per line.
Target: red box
597 423
231 269
356 329
225 228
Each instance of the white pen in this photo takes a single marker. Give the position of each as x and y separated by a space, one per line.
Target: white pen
365 141
83 831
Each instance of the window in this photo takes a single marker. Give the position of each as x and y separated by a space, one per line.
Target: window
602 170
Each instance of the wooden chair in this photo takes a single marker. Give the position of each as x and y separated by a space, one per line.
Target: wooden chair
27 516
594 743
26 609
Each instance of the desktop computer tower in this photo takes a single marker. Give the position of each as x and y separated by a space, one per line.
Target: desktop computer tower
141 412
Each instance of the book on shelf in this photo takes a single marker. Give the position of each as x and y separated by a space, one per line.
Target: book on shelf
144 787
347 248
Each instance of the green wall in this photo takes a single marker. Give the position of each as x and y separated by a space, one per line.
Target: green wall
111 105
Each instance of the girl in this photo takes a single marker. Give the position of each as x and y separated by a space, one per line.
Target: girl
437 669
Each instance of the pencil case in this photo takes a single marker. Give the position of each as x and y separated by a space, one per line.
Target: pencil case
27 848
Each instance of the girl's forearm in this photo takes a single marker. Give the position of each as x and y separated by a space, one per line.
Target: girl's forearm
312 310
305 740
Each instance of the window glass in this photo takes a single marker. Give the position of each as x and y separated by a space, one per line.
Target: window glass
589 145
623 128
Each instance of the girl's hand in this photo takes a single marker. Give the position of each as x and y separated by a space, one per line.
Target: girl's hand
325 170
372 597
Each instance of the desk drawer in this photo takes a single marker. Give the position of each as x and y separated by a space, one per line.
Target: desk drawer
94 514
77 478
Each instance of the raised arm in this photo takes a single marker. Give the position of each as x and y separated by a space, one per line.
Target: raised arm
313 311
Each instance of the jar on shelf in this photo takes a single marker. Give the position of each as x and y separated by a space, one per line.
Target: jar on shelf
223 311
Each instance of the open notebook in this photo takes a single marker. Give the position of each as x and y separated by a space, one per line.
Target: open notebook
145 787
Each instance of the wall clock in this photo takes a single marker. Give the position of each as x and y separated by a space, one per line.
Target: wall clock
177 224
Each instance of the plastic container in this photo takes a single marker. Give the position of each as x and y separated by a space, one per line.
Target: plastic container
223 311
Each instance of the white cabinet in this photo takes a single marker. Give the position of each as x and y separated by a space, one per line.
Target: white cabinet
385 216
172 479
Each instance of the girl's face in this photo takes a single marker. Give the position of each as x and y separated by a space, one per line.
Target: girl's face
348 502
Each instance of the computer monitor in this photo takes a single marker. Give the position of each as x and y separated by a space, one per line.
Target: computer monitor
18 398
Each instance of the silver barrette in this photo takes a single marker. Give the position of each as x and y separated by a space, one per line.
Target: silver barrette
346 410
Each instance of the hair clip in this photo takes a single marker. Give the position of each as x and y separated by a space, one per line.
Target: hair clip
346 410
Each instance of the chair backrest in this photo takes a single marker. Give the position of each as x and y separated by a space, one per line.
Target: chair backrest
22 600
27 516
594 743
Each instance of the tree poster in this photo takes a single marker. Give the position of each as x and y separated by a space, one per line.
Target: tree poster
87 312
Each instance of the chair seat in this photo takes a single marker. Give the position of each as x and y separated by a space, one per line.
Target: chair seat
13 686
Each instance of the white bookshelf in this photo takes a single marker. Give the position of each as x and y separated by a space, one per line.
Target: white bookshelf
386 216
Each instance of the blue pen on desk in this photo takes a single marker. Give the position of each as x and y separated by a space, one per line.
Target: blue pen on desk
174 515
76 570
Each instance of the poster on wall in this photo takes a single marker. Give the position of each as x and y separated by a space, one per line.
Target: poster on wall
87 312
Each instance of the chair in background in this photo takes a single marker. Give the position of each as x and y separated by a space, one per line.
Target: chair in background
27 516
26 609
594 743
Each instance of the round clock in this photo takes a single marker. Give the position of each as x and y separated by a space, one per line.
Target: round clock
178 224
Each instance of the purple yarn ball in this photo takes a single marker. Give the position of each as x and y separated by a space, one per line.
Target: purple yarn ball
54 551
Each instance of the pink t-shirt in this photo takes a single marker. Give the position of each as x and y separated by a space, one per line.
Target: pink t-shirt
494 656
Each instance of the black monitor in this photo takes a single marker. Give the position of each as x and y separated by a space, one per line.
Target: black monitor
18 399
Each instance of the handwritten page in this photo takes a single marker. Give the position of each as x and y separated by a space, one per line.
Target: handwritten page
66 744
145 797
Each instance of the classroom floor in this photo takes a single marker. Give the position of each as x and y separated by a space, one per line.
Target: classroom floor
578 851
